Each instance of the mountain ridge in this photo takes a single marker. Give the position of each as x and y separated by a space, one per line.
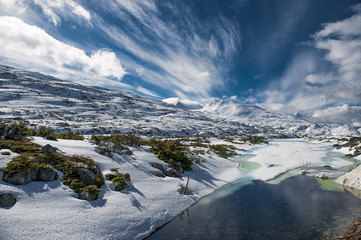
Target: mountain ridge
45 100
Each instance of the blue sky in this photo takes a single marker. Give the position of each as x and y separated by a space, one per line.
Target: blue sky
297 56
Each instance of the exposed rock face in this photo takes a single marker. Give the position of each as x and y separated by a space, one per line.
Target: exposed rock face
88 176
351 179
157 166
11 134
21 178
38 173
7 200
87 195
48 149
46 174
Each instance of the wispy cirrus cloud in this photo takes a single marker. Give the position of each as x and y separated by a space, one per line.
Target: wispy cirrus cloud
55 9
179 53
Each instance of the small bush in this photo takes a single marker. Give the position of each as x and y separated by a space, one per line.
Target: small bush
20 146
21 163
223 150
92 189
119 180
172 152
122 139
6 153
254 139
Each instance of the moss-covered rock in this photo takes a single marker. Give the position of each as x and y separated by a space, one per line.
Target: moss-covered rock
89 193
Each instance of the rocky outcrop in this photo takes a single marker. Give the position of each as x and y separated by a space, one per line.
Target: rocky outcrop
48 149
88 175
12 134
86 195
169 171
20 178
35 173
89 193
46 174
7 200
351 179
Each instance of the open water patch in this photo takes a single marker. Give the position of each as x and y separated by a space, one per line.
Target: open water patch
296 208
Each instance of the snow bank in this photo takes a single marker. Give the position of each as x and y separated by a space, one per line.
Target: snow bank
351 179
52 211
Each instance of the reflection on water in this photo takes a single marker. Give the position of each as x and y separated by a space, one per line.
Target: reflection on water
297 208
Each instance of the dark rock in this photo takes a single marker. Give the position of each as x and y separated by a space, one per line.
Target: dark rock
7 200
11 134
128 152
171 172
21 178
87 195
157 166
161 175
48 149
51 138
47 174
88 176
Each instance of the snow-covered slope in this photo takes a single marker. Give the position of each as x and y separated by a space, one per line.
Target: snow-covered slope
279 121
45 100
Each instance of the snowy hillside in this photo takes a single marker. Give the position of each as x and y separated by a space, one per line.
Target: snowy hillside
281 122
45 100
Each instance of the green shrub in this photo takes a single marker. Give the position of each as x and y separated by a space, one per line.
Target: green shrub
172 152
92 189
119 180
6 153
223 150
21 163
254 139
124 139
20 146
99 181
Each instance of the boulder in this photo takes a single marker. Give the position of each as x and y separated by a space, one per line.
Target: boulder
11 134
21 178
88 176
48 149
88 195
161 175
46 174
128 152
171 172
157 166
51 138
7 200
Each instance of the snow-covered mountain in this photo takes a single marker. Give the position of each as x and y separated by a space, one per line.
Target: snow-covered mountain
45 100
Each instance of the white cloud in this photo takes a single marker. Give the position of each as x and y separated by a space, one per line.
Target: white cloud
55 9
344 114
311 89
176 58
319 78
146 92
24 44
